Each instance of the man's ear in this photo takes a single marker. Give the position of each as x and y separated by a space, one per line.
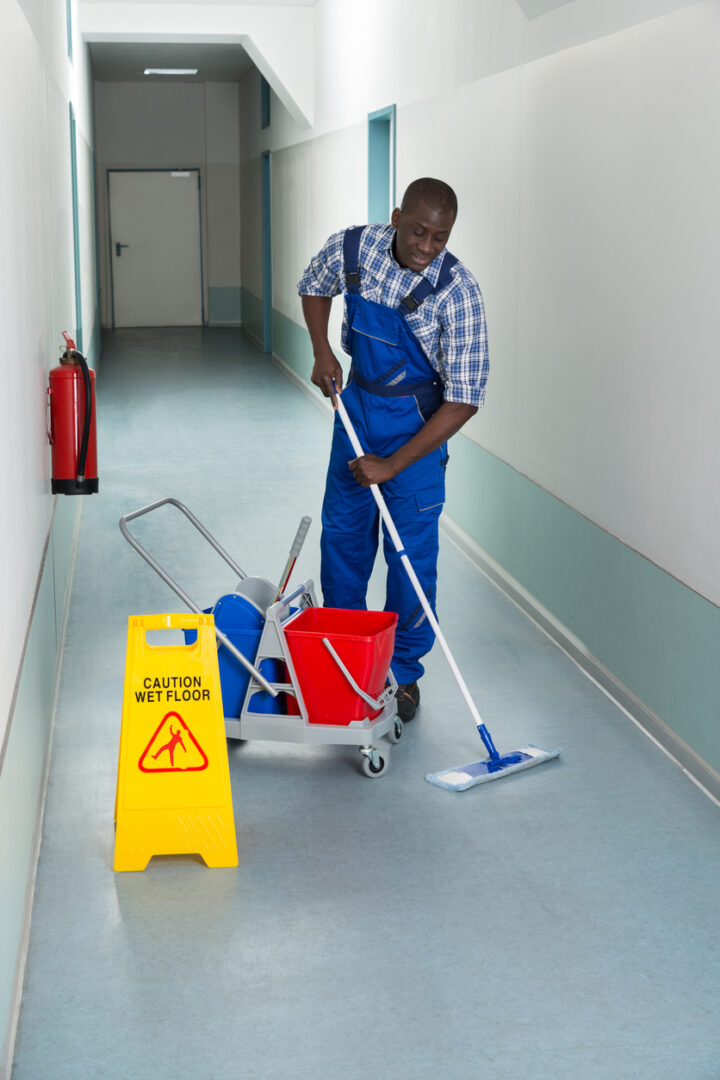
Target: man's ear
395 217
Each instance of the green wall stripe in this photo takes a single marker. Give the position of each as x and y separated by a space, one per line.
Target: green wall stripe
658 637
224 304
22 769
76 230
252 310
292 344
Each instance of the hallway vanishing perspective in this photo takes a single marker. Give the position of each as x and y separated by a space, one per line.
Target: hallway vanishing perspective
560 924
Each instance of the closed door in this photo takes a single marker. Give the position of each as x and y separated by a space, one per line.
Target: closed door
155 248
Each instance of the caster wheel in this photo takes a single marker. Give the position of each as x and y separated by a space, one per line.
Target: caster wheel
395 732
374 764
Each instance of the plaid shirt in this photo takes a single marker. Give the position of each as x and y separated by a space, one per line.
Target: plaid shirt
450 325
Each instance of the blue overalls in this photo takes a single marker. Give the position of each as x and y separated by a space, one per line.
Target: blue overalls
392 390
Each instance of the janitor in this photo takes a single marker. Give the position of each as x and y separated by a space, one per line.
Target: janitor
414 327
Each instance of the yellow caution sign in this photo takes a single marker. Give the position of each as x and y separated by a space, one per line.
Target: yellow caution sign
173 791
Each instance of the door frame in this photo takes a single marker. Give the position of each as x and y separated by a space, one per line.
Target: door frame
189 169
267 267
381 163
74 186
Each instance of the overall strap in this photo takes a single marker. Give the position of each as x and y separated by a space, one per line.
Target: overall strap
424 289
351 255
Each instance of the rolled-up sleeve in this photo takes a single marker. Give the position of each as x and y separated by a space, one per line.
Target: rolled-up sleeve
324 276
463 356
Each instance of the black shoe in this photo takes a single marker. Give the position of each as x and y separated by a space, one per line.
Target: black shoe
407 699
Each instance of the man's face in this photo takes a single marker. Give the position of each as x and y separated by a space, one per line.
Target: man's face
422 232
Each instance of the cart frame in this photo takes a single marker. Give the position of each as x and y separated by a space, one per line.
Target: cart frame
283 727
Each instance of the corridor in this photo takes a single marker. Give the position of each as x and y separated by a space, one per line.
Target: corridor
559 923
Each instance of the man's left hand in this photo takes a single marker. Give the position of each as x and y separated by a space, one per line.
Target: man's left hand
370 469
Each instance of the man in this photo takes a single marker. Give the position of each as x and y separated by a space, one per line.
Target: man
414 326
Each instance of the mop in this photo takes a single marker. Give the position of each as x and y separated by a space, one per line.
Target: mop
292 557
495 765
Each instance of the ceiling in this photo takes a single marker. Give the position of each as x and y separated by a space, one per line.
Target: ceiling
533 8
126 61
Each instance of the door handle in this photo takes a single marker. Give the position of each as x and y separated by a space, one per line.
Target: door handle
119 247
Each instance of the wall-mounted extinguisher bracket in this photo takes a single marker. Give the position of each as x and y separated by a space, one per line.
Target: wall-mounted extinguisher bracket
72 430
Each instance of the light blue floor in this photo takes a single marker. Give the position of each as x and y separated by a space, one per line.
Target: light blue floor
559 923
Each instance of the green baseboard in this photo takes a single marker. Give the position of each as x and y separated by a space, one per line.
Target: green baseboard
24 759
224 304
252 310
658 637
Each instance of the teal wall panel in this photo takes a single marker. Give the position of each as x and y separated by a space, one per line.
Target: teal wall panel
252 309
292 344
23 766
224 304
267 272
381 164
658 637
21 783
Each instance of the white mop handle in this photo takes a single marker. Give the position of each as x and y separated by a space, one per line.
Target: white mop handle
347 424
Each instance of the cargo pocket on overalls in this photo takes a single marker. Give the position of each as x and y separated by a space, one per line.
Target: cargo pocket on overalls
432 497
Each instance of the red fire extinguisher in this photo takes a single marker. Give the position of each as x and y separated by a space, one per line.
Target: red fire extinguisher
72 433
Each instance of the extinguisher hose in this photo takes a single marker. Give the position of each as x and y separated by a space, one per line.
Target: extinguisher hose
82 458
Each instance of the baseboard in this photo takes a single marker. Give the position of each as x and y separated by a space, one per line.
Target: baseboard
315 396
13 1018
694 766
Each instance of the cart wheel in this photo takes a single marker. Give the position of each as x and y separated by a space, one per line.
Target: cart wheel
374 764
395 732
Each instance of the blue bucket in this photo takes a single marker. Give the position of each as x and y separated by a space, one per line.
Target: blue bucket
242 622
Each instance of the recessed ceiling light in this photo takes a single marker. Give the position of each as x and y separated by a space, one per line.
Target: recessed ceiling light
171 71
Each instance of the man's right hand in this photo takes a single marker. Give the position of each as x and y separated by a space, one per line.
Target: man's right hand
326 372
316 310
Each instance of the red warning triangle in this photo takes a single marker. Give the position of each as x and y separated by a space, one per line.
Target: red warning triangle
173 748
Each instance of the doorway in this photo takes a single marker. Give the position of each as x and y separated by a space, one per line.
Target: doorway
155 247
381 164
267 275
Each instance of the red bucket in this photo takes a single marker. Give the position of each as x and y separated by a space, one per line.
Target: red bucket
364 641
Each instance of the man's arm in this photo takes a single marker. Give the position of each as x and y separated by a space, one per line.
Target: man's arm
448 419
316 311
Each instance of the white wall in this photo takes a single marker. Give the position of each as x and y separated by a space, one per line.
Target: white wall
590 218
37 287
583 148
37 301
172 125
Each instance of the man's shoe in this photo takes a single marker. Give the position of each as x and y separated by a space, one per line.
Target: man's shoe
407 700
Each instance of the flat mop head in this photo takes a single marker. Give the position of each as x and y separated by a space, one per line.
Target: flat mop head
479 772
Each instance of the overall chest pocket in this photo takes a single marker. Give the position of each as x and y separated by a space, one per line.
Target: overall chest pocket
377 323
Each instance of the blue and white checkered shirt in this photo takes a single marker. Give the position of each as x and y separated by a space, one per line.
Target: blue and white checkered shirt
450 325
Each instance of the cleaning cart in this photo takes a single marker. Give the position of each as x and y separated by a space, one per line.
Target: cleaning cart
291 671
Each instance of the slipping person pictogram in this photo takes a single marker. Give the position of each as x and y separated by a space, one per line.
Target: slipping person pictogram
171 746
171 734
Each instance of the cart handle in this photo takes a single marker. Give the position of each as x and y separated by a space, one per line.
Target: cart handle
178 590
375 703
191 517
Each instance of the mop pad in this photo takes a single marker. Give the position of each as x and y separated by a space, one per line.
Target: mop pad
478 772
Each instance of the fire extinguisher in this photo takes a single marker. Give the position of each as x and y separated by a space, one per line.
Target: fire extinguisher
72 432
